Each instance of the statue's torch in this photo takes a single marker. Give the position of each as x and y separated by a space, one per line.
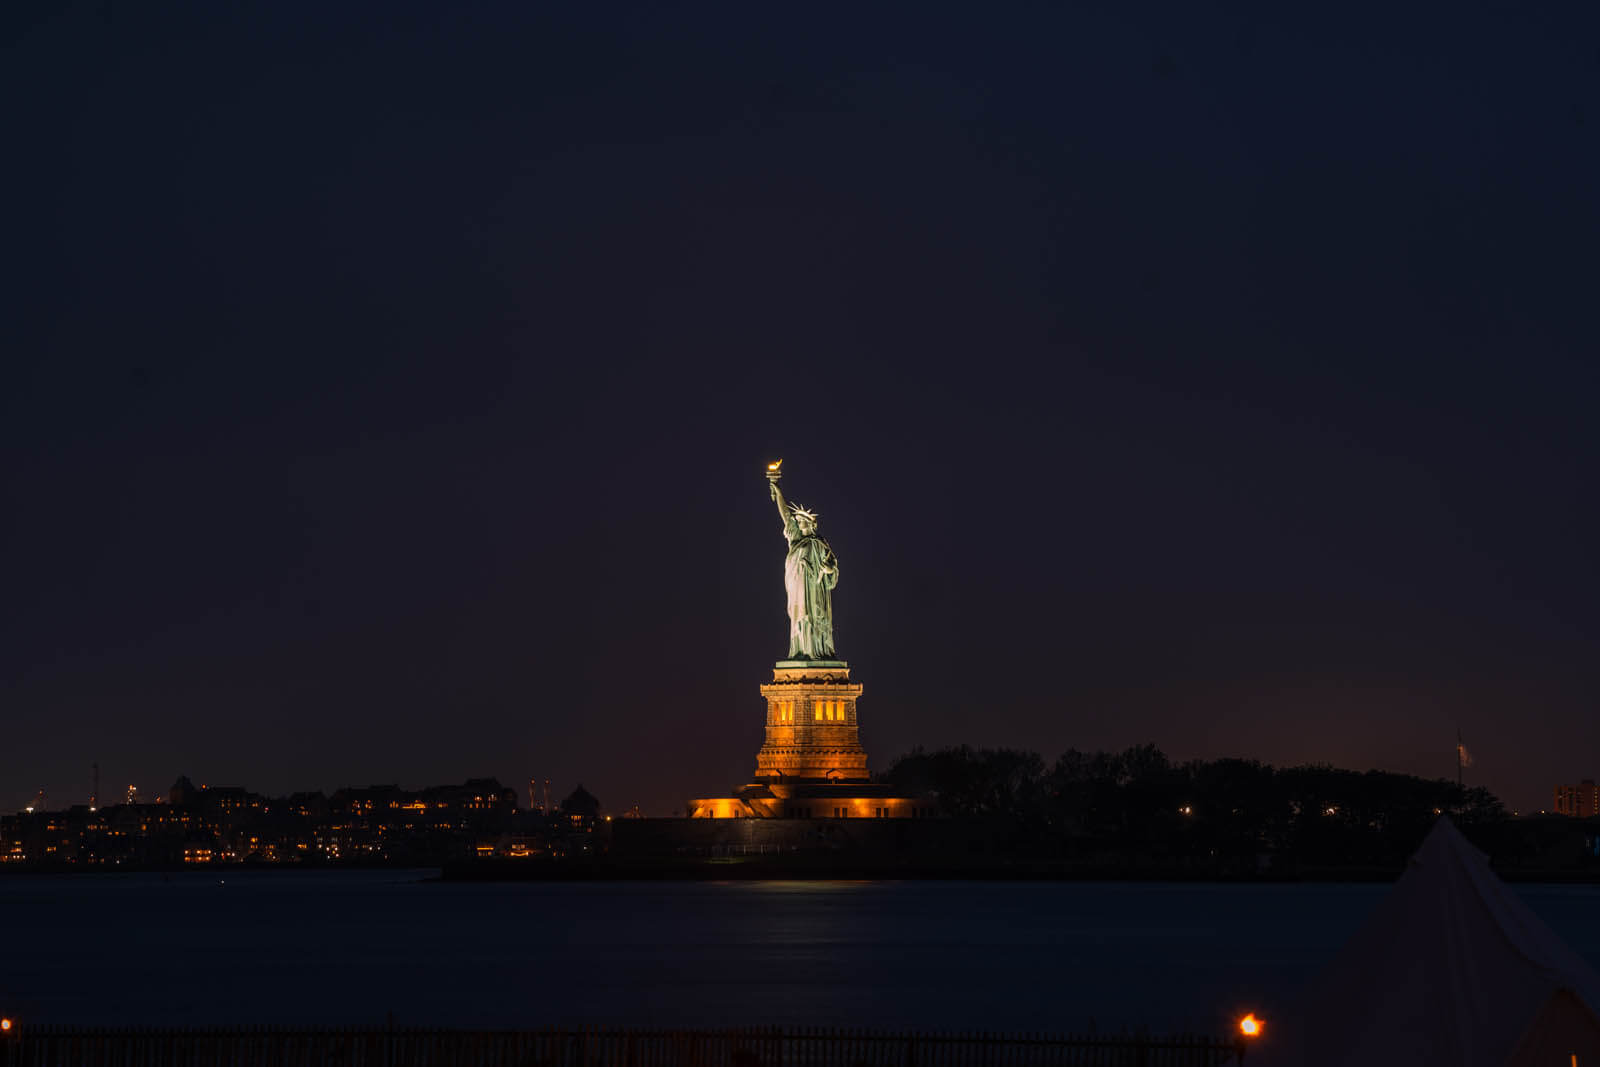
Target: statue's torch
774 471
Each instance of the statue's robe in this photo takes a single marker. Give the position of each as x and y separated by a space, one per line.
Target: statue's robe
809 574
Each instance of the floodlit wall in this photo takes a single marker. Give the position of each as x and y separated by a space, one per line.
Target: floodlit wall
658 837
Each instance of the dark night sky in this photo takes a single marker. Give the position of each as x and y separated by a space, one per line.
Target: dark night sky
386 393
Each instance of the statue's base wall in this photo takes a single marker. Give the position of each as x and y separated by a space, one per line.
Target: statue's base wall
690 837
814 799
810 761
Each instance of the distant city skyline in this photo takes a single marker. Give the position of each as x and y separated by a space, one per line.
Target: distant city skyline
1563 791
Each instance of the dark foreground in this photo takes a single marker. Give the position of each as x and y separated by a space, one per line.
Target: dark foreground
339 948
595 1047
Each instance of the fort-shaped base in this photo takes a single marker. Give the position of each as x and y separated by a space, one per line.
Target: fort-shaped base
814 799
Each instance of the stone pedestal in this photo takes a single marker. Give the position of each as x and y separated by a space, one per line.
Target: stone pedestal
811 724
812 765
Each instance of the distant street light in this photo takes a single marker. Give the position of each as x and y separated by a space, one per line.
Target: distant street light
1249 1029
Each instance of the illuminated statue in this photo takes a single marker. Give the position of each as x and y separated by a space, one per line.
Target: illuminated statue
809 575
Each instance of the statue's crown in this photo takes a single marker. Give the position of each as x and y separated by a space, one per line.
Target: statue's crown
801 513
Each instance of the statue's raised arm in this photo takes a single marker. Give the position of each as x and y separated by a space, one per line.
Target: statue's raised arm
785 516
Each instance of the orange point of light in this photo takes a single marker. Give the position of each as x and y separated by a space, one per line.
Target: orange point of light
1250 1026
5 1024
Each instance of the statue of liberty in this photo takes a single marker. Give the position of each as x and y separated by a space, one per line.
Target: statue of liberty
809 574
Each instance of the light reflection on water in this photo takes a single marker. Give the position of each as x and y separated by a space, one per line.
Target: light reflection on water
353 947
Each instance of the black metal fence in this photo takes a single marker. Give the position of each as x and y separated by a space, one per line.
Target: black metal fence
64 1046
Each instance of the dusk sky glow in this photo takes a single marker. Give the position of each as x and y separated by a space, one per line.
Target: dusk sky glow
388 392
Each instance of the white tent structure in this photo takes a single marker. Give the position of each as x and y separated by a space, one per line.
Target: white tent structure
1451 968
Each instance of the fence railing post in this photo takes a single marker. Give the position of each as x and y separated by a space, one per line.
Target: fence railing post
596 1046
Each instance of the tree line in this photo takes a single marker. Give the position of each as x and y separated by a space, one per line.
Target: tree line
1137 806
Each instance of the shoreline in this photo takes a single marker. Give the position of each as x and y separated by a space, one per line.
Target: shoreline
803 868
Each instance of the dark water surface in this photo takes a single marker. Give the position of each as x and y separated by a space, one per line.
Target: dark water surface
353 947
